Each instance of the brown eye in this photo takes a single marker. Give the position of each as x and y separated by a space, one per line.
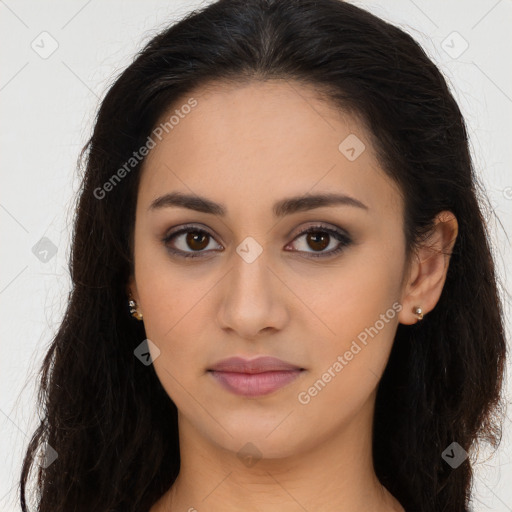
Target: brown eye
188 242
196 240
317 238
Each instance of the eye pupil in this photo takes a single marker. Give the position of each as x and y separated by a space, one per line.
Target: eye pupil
194 237
315 239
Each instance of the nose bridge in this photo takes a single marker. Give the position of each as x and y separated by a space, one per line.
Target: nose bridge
250 279
251 301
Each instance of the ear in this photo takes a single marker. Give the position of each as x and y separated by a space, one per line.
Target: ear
429 266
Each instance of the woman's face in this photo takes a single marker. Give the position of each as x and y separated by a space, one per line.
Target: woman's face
326 302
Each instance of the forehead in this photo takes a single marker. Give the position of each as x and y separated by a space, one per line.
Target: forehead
260 140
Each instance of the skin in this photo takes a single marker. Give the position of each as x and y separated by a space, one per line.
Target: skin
247 146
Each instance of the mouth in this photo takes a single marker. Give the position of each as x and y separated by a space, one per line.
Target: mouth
256 377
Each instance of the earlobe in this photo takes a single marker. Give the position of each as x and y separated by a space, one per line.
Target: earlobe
131 288
429 270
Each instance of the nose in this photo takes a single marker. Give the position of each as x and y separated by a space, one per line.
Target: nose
254 299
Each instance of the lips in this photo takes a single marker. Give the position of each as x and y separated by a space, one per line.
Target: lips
258 365
254 377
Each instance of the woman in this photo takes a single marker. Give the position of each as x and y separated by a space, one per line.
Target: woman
283 293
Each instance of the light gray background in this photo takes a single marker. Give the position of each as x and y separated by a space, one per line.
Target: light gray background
47 110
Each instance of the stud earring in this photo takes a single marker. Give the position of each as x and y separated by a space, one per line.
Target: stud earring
418 312
133 310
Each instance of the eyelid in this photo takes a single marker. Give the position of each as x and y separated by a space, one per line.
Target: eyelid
330 228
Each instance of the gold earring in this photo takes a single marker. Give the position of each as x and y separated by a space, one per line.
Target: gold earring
133 310
418 312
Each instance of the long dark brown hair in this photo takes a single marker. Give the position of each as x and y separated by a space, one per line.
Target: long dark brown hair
107 416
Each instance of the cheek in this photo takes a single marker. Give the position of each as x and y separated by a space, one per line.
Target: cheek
174 321
367 278
171 303
174 313
360 307
167 291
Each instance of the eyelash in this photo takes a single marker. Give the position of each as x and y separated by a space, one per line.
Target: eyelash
339 235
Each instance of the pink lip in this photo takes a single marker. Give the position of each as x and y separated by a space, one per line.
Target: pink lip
254 377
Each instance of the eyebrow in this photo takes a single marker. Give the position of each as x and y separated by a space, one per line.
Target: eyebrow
281 208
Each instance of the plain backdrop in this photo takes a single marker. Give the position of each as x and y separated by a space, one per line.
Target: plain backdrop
58 58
